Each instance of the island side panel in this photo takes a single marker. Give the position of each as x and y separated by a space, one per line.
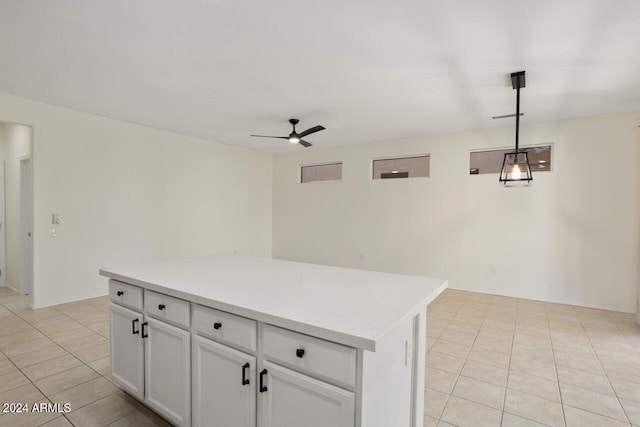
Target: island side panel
388 379
419 361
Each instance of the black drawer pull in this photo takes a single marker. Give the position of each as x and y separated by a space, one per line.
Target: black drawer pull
245 381
161 307
133 327
120 293
300 353
263 388
144 332
217 325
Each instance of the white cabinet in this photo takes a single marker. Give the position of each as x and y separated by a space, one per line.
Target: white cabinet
125 294
227 386
127 349
226 328
150 358
167 370
319 358
224 385
291 399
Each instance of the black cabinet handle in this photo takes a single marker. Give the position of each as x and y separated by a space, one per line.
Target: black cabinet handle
161 307
144 332
120 293
245 381
133 327
300 353
217 325
263 388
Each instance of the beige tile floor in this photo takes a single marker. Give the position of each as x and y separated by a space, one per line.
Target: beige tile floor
497 361
491 361
61 355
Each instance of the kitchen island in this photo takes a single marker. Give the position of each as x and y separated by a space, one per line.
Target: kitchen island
246 341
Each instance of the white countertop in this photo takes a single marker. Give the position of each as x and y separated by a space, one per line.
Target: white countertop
349 306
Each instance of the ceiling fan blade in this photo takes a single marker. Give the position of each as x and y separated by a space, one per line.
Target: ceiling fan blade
310 131
305 144
268 136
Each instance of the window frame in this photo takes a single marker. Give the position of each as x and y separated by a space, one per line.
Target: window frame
408 156
511 149
301 166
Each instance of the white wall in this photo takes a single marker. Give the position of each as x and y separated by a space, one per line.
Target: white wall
127 194
17 146
571 238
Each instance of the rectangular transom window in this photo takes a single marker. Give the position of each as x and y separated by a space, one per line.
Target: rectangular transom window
326 172
401 167
490 161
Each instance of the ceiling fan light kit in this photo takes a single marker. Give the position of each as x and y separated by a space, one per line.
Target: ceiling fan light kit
516 170
295 137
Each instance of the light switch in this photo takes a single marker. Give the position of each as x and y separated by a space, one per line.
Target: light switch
55 225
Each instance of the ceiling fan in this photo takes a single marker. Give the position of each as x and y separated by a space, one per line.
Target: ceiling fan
295 137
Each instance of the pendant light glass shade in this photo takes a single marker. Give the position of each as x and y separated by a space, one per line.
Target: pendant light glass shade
516 170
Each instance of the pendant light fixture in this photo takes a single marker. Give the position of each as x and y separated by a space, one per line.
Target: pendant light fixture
516 170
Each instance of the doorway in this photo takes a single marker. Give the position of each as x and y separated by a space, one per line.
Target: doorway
16 214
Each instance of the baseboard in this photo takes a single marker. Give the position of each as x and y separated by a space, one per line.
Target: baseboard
571 303
13 289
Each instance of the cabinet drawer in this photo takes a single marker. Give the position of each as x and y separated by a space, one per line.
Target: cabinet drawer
169 309
225 327
124 294
324 359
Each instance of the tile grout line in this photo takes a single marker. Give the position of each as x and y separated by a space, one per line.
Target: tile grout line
603 369
425 360
465 361
637 350
17 367
513 340
468 354
45 395
555 365
68 352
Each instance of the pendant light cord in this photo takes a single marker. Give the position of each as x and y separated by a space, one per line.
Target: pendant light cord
517 112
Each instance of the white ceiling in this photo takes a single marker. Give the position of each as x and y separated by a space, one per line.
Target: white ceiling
365 69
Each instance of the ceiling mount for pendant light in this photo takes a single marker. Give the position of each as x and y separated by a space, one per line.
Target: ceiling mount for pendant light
516 170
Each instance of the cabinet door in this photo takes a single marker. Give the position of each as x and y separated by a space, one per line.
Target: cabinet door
167 371
224 385
127 349
293 400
